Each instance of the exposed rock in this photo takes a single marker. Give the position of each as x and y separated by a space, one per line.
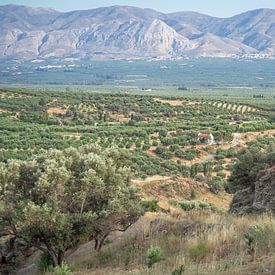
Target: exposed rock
129 32
258 198
7 254
13 253
264 198
242 202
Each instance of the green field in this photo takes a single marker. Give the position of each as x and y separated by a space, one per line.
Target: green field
165 165
161 131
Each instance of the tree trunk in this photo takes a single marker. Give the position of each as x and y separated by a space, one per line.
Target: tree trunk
96 244
102 242
57 259
60 258
54 259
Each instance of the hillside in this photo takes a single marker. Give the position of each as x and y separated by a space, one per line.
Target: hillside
129 32
129 175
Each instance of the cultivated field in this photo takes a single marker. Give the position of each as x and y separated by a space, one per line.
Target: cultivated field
180 150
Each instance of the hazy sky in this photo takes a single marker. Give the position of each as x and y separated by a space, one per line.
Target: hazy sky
219 8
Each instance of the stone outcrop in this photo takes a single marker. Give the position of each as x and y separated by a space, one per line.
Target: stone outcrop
258 198
13 252
264 198
7 254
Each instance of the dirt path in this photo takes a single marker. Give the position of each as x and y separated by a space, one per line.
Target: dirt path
235 141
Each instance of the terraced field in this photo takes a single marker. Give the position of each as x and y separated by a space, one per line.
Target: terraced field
160 132
181 152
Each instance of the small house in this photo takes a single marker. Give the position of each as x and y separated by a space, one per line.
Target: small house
206 138
203 138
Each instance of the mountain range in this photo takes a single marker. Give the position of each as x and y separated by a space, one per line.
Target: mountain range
121 32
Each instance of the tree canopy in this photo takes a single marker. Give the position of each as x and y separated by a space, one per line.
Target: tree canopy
60 198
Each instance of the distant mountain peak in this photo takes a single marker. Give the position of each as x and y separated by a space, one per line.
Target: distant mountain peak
13 7
131 32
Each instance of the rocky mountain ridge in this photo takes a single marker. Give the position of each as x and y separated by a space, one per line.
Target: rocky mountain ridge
128 32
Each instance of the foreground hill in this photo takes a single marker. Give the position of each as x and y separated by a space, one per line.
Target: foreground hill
130 32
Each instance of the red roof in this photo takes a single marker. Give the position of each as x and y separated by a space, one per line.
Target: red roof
200 135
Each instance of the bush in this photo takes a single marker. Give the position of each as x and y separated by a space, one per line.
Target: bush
129 256
221 174
62 270
150 205
179 154
146 147
155 143
215 185
44 262
163 152
193 205
190 156
197 205
104 257
154 255
178 271
260 239
199 251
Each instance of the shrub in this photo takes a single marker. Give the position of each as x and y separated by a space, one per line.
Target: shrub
129 256
221 174
199 251
185 170
178 271
260 239
146 147
215 185
179 153
154 255
62 270
189 156
218 168
104 257
163 152
150 205
198 205
163 133
220 155
155 143
44 262
193 205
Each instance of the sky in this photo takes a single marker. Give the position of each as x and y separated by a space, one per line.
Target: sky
218 8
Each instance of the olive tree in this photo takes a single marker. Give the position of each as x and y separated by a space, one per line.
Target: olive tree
62 198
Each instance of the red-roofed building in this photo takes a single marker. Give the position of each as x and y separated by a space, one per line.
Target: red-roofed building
206 138
203 136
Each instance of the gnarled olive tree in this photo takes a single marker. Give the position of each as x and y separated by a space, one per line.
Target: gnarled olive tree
61 198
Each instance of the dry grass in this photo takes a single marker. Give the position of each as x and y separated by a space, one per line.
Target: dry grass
119 117
202 242
170 102
56 110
